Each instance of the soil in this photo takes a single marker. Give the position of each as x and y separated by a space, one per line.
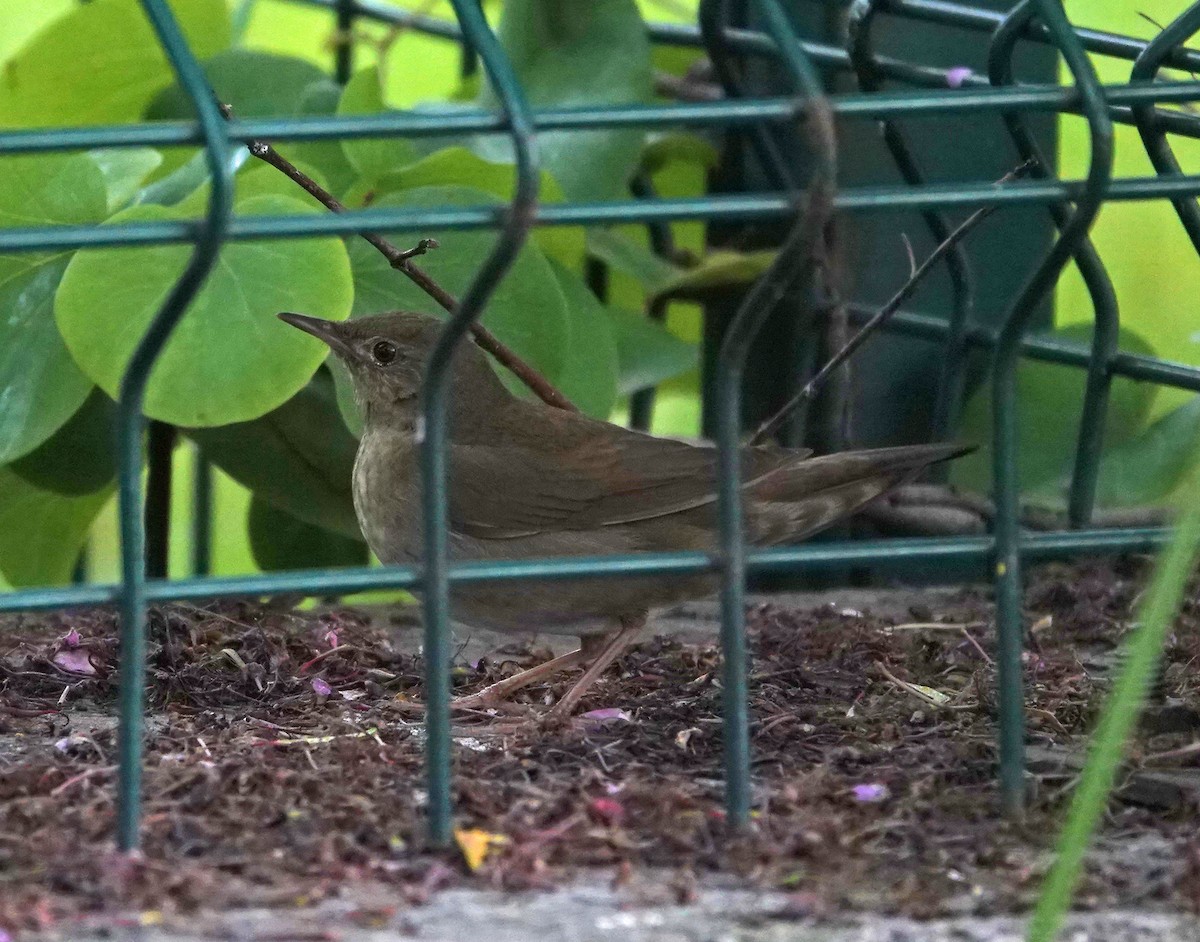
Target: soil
284 763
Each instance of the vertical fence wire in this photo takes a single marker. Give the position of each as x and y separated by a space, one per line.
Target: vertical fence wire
435 579
1009 625
1105 311
131 423
794 262
1161 50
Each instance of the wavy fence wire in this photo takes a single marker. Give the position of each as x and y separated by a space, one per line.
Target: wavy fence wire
1072 204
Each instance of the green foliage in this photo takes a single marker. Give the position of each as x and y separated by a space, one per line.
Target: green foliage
125 169
719 269
647 354
40 385
589 375
230 359
1149 468
457 166
279 541
80 458
101 63
241 384
255 84
1050 399
298 457
565 54
42 532
371 158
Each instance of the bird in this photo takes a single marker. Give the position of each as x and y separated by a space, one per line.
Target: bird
528 480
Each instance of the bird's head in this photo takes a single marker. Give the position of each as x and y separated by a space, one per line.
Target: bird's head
386 354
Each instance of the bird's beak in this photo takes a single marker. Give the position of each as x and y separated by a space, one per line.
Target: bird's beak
321 329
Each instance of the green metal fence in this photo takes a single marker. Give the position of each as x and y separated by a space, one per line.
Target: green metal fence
1073 204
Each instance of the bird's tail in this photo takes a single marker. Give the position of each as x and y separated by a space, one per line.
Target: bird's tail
801 499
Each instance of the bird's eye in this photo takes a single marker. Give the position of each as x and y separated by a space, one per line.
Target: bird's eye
384 352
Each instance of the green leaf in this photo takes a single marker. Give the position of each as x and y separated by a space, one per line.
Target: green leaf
527 310
1050 403
322 97
1148 468
622 252
81 457
256 84
589 375
125 169
20 21
647 353
372 158
280 542
657 276
230 359
567 53
720 269
40 385
175 185
678 147
458 166
298 457
101 63
41 533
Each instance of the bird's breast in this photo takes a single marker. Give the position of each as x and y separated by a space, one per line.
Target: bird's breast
385 489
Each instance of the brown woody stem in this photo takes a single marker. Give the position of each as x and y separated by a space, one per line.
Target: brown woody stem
401 261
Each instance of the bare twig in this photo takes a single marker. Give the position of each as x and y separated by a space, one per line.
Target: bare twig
401 261
771 425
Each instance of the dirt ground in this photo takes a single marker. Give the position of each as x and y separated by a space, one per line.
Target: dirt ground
284 766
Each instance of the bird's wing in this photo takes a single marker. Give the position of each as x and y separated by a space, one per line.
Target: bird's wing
507 490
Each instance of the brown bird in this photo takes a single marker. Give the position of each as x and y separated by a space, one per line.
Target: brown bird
527 480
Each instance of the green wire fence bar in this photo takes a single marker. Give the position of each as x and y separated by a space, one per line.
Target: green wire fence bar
808 108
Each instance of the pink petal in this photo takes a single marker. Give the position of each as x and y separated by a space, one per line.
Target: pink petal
75 661
607 810
956 76
320 688
606 715
71 639
332 638
871 792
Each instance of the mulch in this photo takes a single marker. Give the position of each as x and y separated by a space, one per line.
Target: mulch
284 762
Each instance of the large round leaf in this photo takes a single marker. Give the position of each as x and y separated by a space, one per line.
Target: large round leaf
256 84
41 532
81 457
1049 407
279 541
569 53
40 385
458 166
527 310
230 359
589 376
372 157
101 63
299 457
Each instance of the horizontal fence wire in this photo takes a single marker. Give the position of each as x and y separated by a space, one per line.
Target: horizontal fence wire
1072 202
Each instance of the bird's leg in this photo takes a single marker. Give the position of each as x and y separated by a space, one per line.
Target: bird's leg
614 645
502 689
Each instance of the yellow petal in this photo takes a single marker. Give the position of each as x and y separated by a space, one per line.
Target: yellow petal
475 845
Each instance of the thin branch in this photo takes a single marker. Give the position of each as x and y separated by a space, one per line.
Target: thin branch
401 261
884 313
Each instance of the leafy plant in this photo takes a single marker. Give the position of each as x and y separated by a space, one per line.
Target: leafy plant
245 389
